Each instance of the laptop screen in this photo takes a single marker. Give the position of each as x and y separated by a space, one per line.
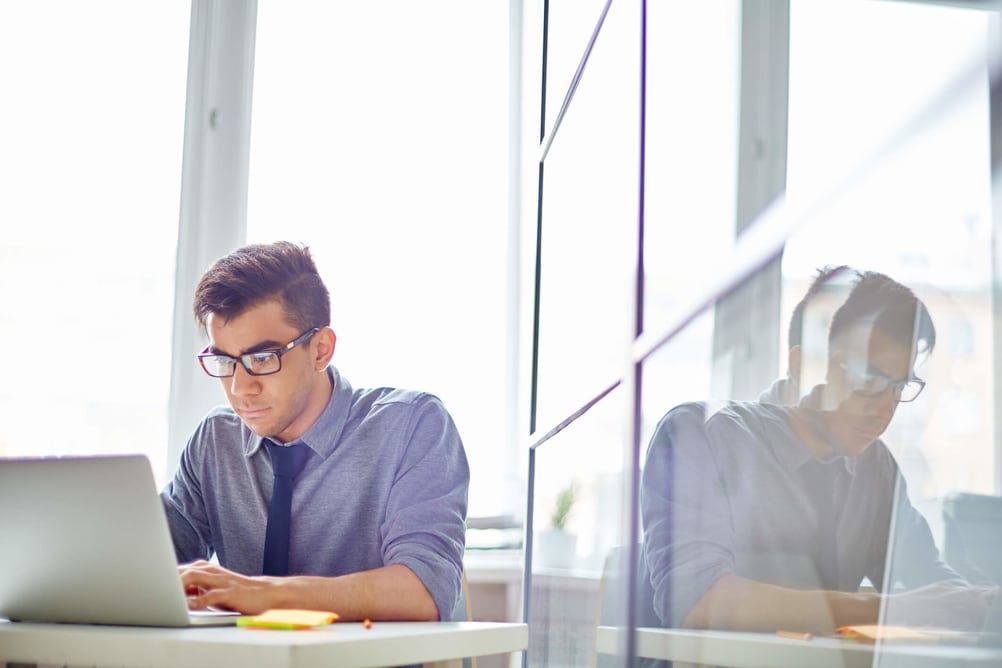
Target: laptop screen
86 540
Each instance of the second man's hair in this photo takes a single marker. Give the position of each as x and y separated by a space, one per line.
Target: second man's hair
889 307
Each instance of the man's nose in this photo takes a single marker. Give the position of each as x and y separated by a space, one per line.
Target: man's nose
242 383
886 402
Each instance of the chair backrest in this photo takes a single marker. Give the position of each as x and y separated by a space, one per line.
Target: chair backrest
612 590
612 599
972 540
466 599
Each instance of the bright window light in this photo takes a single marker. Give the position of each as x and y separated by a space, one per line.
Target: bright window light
91 129
379 139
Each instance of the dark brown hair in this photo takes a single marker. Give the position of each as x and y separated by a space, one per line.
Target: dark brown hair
260 272
888 306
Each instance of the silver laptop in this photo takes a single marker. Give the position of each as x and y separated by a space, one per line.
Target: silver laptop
85 540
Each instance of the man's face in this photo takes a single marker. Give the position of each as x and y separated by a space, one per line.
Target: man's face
859 419
280 405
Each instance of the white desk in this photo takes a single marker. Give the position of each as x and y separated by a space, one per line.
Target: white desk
345 645
755 650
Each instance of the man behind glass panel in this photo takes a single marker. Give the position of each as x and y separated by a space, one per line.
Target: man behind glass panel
763 517
313 494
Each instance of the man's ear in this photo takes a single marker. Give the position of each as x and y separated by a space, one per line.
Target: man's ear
325 341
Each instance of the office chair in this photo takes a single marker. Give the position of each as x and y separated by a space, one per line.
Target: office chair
611 606
972 538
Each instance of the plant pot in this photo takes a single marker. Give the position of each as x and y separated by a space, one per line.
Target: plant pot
554 548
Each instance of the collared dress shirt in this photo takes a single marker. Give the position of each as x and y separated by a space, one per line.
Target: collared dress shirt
730 489
386 482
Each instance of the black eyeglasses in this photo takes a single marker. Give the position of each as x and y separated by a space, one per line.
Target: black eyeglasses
260 363
873 383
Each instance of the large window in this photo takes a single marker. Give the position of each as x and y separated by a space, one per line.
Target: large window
380 140
91 129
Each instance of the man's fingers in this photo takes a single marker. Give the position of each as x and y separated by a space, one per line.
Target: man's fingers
200 567
203 579
208 597
197 564
227 598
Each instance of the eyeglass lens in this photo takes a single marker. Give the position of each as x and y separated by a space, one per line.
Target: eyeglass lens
904 390
257 364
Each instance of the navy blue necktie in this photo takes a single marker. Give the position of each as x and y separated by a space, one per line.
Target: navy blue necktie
287 461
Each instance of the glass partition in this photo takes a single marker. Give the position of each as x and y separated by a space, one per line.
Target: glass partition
858 488
866 471
572 26
920 213
589 212
691 162
580 539
774 514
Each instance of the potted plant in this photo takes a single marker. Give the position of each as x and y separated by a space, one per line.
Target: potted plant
555 546
562 508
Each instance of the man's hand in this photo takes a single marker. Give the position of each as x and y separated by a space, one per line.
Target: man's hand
391 592
208 585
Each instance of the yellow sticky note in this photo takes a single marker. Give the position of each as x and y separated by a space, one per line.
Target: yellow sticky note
874 632
288 619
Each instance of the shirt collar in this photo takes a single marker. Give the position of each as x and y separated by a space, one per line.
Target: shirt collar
793 453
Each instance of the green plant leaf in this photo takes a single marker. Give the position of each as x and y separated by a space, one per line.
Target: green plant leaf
563 506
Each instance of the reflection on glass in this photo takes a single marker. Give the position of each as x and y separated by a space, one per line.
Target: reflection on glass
781 513
859 486
922 214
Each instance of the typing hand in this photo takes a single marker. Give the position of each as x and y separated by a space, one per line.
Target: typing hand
208 585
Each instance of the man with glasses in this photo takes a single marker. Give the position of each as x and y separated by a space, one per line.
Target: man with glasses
763 517
311 493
